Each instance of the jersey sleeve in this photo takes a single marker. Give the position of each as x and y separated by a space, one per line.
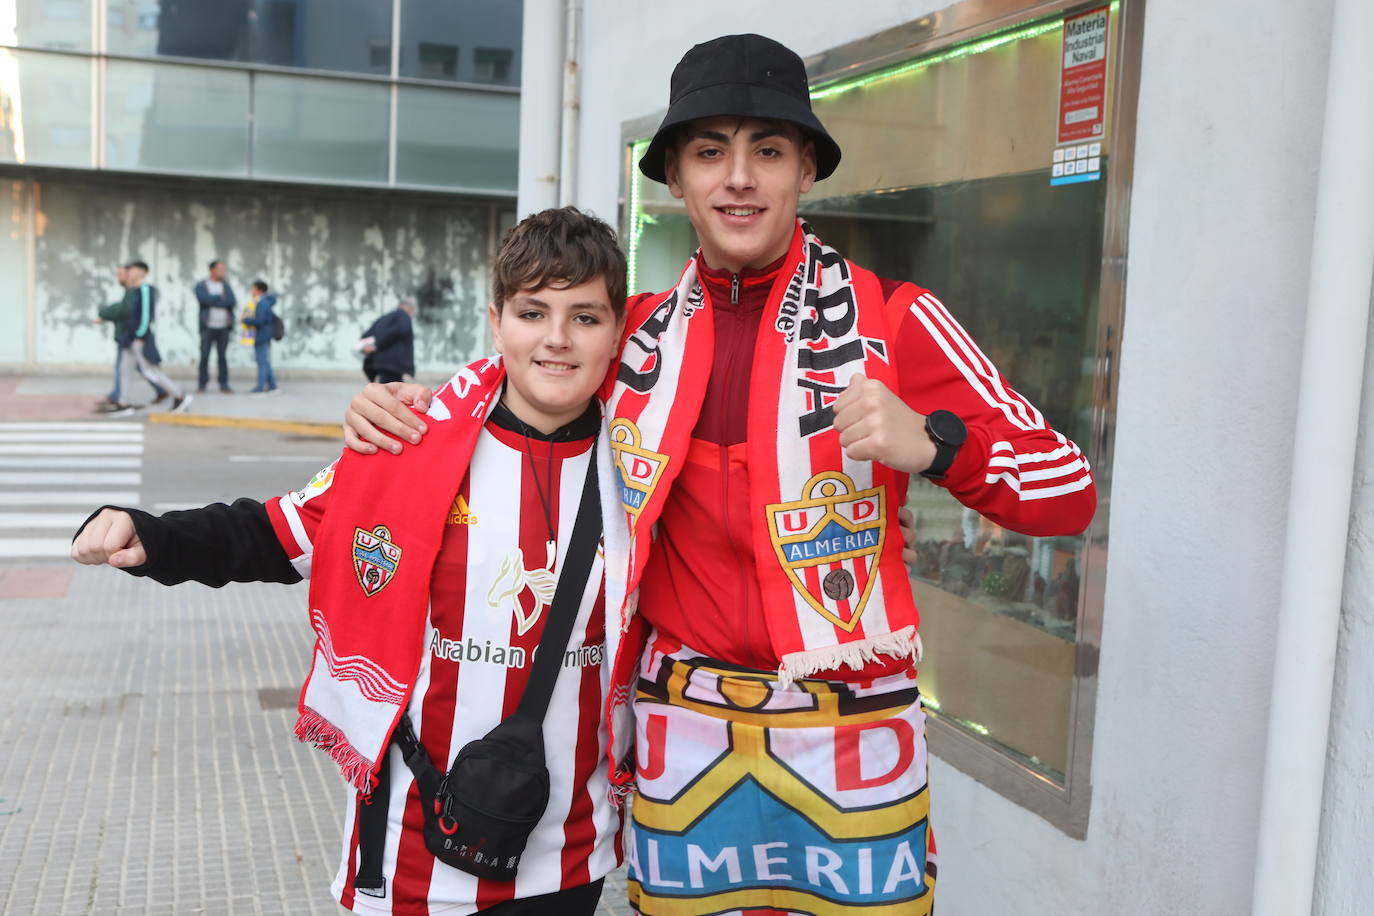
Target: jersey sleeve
296 518
1014 469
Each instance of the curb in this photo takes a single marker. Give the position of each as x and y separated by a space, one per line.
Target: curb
294 427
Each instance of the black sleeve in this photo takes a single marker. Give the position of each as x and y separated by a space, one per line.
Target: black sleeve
215 545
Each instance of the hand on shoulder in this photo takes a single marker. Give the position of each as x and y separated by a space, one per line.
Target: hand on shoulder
380 416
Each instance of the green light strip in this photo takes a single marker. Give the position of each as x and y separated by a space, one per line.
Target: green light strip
968 49
635 229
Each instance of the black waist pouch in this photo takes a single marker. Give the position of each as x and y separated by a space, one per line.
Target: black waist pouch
479 816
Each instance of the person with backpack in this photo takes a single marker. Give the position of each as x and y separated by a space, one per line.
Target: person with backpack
259 324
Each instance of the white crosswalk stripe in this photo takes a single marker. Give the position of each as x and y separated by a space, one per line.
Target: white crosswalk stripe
53 474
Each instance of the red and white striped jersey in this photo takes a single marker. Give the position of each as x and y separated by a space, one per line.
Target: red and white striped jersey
488 602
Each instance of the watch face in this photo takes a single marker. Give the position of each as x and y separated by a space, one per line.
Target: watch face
947 428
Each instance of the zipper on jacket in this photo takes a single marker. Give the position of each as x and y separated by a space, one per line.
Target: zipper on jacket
734 289
742 589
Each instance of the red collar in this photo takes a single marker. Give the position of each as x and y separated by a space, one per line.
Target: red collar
754 285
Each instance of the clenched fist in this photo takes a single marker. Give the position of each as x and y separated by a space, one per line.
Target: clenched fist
876 425
109 538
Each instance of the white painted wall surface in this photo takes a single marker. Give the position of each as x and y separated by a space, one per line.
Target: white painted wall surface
1229 125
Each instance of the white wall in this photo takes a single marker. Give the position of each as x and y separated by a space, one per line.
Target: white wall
1228 134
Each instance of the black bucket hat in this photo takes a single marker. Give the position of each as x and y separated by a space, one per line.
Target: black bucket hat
748 76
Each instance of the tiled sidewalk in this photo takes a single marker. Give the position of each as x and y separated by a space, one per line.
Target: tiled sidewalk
147 763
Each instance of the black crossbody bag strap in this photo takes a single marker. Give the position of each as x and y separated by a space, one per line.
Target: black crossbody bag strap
567 599
548 657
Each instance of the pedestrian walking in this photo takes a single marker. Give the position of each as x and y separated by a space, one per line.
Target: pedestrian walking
766 414
216 300
113 314
429 603
389 345
135 317
257 330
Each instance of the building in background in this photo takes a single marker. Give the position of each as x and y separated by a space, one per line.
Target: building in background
349 151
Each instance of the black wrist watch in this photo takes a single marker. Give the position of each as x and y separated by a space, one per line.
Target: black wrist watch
948 432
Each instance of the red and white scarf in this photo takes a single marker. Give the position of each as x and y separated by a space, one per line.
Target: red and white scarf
827 545
370 577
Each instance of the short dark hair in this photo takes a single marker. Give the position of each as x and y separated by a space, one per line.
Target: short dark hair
560 247
141 265
214 262
260 285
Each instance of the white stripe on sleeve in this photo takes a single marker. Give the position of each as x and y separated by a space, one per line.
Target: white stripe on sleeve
981 363
965 369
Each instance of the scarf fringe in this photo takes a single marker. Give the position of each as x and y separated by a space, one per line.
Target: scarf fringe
313 728
904 642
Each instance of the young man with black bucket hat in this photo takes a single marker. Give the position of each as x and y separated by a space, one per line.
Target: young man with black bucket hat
766 414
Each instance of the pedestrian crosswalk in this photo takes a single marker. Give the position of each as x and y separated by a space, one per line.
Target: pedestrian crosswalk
52 474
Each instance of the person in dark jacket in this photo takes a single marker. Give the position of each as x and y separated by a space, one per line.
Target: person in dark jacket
113 314
134 328
390 345
257 326
216 299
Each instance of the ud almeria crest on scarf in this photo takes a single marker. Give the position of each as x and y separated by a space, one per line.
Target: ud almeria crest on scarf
829 543
375 558
637 469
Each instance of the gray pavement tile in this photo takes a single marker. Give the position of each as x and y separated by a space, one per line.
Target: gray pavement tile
141 773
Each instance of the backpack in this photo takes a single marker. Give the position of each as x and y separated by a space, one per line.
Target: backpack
278 327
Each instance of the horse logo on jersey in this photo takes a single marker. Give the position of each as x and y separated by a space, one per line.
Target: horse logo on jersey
829 542
375 558
513 579
638 468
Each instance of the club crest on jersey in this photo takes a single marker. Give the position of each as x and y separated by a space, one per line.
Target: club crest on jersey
638 470
829 543
375 558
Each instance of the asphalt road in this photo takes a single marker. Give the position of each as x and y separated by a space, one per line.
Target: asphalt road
147 763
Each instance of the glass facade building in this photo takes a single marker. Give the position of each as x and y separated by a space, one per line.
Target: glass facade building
379 106
349 91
